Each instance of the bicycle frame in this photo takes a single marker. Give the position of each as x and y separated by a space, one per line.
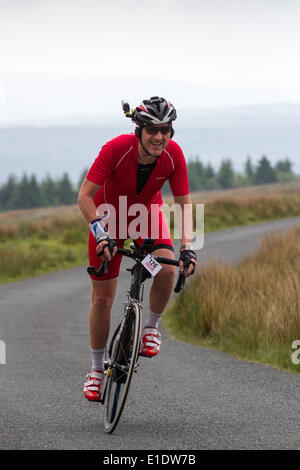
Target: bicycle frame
134 295
123 352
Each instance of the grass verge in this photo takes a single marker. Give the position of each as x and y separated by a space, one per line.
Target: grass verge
21 259
250 310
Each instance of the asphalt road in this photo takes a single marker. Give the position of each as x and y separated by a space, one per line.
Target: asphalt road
187 398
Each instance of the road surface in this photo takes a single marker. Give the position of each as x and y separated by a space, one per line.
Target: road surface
188 397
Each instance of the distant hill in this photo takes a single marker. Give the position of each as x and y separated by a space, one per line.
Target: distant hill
71 144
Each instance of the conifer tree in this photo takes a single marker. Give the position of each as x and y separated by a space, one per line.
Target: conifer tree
264 172
225 175
65 190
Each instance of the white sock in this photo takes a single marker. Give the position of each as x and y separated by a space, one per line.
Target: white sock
97 359
153 319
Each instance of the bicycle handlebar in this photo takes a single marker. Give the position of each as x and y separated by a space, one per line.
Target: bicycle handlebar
138 257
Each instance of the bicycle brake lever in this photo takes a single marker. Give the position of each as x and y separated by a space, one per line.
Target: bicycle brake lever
91 270
180 283
104 267
102 270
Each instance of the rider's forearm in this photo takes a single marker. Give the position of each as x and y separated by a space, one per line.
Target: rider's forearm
88 208
86 203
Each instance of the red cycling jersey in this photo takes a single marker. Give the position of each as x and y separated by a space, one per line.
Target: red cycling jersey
115 171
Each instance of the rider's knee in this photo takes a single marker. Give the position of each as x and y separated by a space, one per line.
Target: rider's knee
103 294
101 302
102 298
167 273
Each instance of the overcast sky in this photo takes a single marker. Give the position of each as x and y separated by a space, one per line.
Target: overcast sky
81 57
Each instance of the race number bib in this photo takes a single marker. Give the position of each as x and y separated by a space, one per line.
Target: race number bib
151 265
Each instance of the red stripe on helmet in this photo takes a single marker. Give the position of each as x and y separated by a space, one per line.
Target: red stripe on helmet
142 108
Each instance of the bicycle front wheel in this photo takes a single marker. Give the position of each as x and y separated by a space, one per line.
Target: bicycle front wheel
123 354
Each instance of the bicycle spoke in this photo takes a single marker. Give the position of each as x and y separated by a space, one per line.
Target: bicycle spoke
115 402
123 352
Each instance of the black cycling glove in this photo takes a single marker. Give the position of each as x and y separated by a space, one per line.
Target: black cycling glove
110 244
186 256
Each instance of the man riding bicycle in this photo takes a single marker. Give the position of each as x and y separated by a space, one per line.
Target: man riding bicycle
134 166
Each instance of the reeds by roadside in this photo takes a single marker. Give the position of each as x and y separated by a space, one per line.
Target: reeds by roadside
251 310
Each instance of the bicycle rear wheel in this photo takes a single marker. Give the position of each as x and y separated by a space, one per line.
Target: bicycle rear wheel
122 359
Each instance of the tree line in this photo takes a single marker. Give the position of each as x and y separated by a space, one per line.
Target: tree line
27 192
202 178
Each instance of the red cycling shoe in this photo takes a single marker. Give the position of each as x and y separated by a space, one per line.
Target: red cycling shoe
92 387
150 342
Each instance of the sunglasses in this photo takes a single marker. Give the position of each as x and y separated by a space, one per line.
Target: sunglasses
152 130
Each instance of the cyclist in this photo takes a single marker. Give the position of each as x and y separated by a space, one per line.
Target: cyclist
136 166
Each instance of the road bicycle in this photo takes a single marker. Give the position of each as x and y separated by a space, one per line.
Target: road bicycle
122 354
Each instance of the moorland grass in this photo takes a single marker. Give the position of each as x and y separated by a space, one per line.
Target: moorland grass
250 310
